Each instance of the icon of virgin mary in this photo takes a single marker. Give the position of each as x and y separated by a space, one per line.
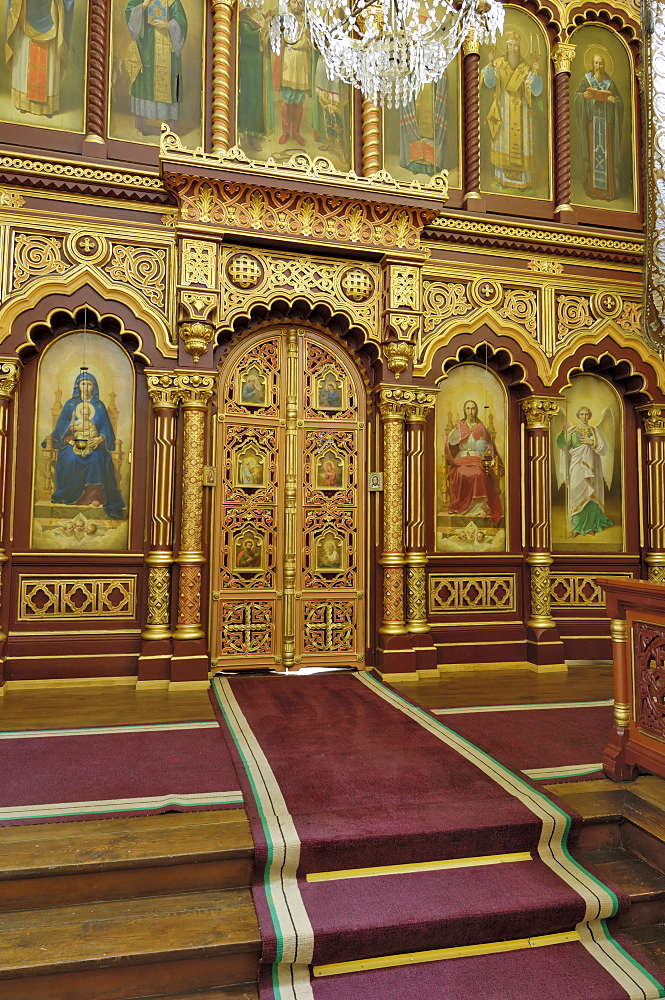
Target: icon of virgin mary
84 439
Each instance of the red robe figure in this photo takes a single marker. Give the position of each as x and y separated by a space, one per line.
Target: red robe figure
473 490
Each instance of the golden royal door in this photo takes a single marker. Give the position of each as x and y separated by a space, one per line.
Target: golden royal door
289 528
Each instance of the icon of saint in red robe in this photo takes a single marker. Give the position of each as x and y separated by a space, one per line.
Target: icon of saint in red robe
473 487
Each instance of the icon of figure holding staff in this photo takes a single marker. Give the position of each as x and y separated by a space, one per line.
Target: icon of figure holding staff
599 113
515 81
586 466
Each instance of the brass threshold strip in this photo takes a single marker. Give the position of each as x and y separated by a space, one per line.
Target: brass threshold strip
423 866
439 954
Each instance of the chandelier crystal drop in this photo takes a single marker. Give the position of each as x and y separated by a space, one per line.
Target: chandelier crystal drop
388 49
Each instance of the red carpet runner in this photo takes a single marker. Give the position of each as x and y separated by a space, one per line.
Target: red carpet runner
341 773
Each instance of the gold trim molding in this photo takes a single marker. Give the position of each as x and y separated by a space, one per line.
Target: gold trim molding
299 167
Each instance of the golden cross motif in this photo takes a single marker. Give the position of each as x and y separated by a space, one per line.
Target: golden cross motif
247 626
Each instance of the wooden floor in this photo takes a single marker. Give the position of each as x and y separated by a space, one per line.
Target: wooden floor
589 682
99 705
69 707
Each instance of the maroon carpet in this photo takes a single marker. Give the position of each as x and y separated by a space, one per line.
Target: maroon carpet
337 775
546 738
114 773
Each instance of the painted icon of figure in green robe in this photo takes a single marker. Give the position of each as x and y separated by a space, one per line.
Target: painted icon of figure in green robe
587 459
158 29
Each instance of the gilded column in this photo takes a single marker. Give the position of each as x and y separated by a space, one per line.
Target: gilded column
195 390
164 394
562 57
539 411
221 74
653 419
392 410
471 125
371 138
416 552
98 45
290 503
10 370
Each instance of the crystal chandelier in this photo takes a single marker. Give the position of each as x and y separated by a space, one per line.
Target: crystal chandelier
388 49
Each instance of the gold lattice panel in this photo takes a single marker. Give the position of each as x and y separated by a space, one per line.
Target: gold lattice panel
576 591
451 594
75 597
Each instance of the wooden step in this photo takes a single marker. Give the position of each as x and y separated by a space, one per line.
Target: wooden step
651 939
243 991
129 948
644 885
54 864
600 804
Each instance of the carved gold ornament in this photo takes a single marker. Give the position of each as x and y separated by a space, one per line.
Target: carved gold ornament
357 284
244 271
242 207
289 277
539 411
477 592
84 247
573 314
630 318
10 372
199 263
74 597
144 268
197 337
545 265
520 306
562 57
580 591
398 356
11 199
37 256
653 418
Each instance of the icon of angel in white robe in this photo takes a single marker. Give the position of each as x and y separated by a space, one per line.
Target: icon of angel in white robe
586 468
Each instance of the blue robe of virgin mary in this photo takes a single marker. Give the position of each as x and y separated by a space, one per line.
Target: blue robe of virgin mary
75 472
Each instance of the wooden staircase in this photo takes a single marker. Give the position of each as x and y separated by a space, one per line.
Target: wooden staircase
155 906
623 838
159 907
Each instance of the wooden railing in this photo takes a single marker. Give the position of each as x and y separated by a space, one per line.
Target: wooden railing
637 625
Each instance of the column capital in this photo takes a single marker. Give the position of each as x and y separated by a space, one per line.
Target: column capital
397 403
195 388
653 418
10 372
471 44
539 411
163 390
562 56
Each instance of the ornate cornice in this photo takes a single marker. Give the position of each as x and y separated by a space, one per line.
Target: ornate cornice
285 214
48 173
300 168
536 238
